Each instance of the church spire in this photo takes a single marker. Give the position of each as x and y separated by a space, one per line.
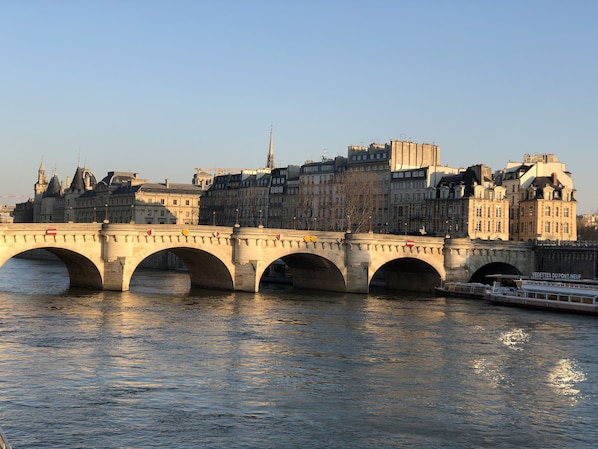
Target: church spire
270 162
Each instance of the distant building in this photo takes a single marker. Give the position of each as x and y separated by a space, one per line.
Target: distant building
409 190
468 204
397 187
6 214
120 197
541 198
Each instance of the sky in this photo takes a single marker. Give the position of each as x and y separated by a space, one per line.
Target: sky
163 87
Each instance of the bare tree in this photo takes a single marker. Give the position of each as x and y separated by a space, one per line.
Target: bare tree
358 190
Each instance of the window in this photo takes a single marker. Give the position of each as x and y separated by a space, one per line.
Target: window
175 202
498 211
547 211
162 201
547 226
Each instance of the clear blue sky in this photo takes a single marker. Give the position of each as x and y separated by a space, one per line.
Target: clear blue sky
162 87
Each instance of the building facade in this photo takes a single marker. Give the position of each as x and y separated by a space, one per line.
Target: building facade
541 196
120 197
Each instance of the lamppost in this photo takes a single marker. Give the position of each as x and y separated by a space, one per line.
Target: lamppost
237 218
348 223
405 227
370 225
106 214
94 214
294 222
70 214
260 225
213 218
133 213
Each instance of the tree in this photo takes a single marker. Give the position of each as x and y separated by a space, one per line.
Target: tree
358 191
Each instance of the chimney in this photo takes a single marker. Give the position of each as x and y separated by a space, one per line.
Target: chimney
167 183
554 180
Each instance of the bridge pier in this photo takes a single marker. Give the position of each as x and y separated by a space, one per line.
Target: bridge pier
247 254
117 250
358 261
456 254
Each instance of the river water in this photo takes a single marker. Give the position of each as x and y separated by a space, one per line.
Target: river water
161 366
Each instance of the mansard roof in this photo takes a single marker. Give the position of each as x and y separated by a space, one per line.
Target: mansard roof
119 177
148 187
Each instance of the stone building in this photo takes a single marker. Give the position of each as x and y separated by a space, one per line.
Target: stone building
384 171
468 204
409 189
237 198
283 197
120 197
321 203
541 199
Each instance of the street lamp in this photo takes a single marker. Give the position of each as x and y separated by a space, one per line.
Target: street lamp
213 218
370 228
348 223
133 213
294 222
405 227
260 225
106 214
94 215
237 218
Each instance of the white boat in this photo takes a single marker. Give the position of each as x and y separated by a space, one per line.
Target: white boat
580 296
468 289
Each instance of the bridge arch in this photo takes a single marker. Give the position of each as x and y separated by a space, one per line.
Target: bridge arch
206 270
82 271
406 273
493 268
311 272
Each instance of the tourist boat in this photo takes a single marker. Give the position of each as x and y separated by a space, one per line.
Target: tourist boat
559 293
468 289
4 442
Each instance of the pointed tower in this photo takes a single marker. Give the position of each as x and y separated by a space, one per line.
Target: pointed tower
270 162
42 181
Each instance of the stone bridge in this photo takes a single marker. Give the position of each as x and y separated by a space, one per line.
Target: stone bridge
105 255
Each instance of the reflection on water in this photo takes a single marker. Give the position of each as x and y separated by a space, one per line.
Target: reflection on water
163 366
514 339
565 377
